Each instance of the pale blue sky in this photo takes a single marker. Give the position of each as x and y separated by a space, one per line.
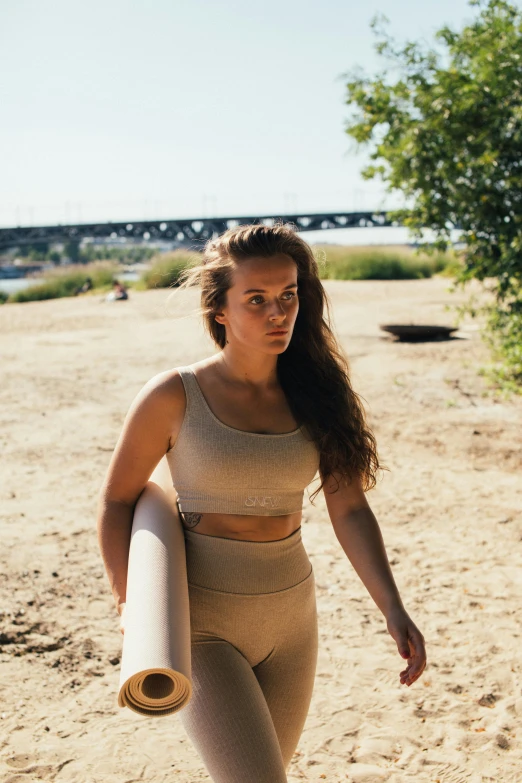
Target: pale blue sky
112 110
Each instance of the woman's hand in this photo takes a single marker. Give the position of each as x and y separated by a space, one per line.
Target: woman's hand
121 611
410 643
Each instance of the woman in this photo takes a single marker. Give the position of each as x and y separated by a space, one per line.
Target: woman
119 292
244 432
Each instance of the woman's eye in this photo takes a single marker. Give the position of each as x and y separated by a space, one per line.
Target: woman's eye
259 299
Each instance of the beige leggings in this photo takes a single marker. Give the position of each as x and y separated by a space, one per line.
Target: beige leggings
254 651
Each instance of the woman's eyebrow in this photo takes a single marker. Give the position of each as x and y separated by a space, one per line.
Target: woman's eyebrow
263 291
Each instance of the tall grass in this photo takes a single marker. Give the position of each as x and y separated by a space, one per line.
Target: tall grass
65 281
379 263
336 262
166 268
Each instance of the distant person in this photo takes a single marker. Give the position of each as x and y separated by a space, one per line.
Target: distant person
119 292
85 287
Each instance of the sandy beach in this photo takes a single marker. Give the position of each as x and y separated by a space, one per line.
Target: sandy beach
449 509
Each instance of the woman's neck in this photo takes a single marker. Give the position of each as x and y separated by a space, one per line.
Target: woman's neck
241 367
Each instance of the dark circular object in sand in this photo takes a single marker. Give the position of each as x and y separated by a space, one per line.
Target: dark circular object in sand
416 332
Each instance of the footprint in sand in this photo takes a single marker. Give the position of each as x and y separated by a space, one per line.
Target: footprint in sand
19 762
448 773
25 765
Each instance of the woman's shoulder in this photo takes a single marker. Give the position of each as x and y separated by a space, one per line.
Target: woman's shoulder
168 387
164 388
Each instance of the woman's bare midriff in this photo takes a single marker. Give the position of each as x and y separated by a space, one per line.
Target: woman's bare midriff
243 527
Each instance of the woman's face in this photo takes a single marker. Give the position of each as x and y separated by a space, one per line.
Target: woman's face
262 304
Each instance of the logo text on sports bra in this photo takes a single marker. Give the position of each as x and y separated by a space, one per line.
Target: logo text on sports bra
264 500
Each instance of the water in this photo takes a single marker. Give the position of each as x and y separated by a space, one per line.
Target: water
11 286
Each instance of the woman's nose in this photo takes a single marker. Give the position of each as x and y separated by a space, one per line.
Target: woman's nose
277 310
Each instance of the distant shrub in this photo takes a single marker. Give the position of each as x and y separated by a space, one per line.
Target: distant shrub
503 335
3 297
356 263
165 269
454 264
65 281
128 254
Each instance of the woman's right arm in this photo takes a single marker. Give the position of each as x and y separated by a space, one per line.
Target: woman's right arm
149 431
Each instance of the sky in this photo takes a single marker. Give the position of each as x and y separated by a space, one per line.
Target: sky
113 110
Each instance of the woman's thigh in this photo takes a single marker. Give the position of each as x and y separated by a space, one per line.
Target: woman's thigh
228 719
287 674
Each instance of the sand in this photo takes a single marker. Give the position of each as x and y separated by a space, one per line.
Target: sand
449 509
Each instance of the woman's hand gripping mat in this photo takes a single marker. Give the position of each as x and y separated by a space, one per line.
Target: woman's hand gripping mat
155 676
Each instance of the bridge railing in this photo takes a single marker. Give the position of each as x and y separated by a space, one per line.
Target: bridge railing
193 232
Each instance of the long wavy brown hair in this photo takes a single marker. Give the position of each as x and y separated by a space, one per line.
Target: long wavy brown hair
313 371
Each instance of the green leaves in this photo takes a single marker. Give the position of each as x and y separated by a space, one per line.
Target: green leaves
444 127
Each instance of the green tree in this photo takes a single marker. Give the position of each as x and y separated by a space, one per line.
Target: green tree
37 251
71 250
443 125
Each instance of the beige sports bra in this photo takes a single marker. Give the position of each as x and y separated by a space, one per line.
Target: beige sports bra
219 469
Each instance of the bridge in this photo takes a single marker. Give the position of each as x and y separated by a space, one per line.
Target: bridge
186 232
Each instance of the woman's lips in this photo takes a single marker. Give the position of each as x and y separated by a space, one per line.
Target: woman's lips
279 331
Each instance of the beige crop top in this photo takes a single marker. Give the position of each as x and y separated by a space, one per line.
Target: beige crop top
217 468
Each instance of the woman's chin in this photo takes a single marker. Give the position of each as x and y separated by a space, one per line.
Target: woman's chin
271 350
272 347
277 349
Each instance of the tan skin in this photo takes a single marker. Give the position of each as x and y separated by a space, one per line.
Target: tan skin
241 388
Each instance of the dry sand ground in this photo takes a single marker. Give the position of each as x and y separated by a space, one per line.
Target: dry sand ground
449 510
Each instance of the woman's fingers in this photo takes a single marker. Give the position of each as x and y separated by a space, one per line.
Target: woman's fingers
416 660
410 678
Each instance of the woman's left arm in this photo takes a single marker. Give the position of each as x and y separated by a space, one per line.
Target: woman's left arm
358 532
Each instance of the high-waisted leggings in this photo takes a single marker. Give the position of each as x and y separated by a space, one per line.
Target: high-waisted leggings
254 651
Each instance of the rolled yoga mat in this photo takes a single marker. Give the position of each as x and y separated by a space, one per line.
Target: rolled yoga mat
155 676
